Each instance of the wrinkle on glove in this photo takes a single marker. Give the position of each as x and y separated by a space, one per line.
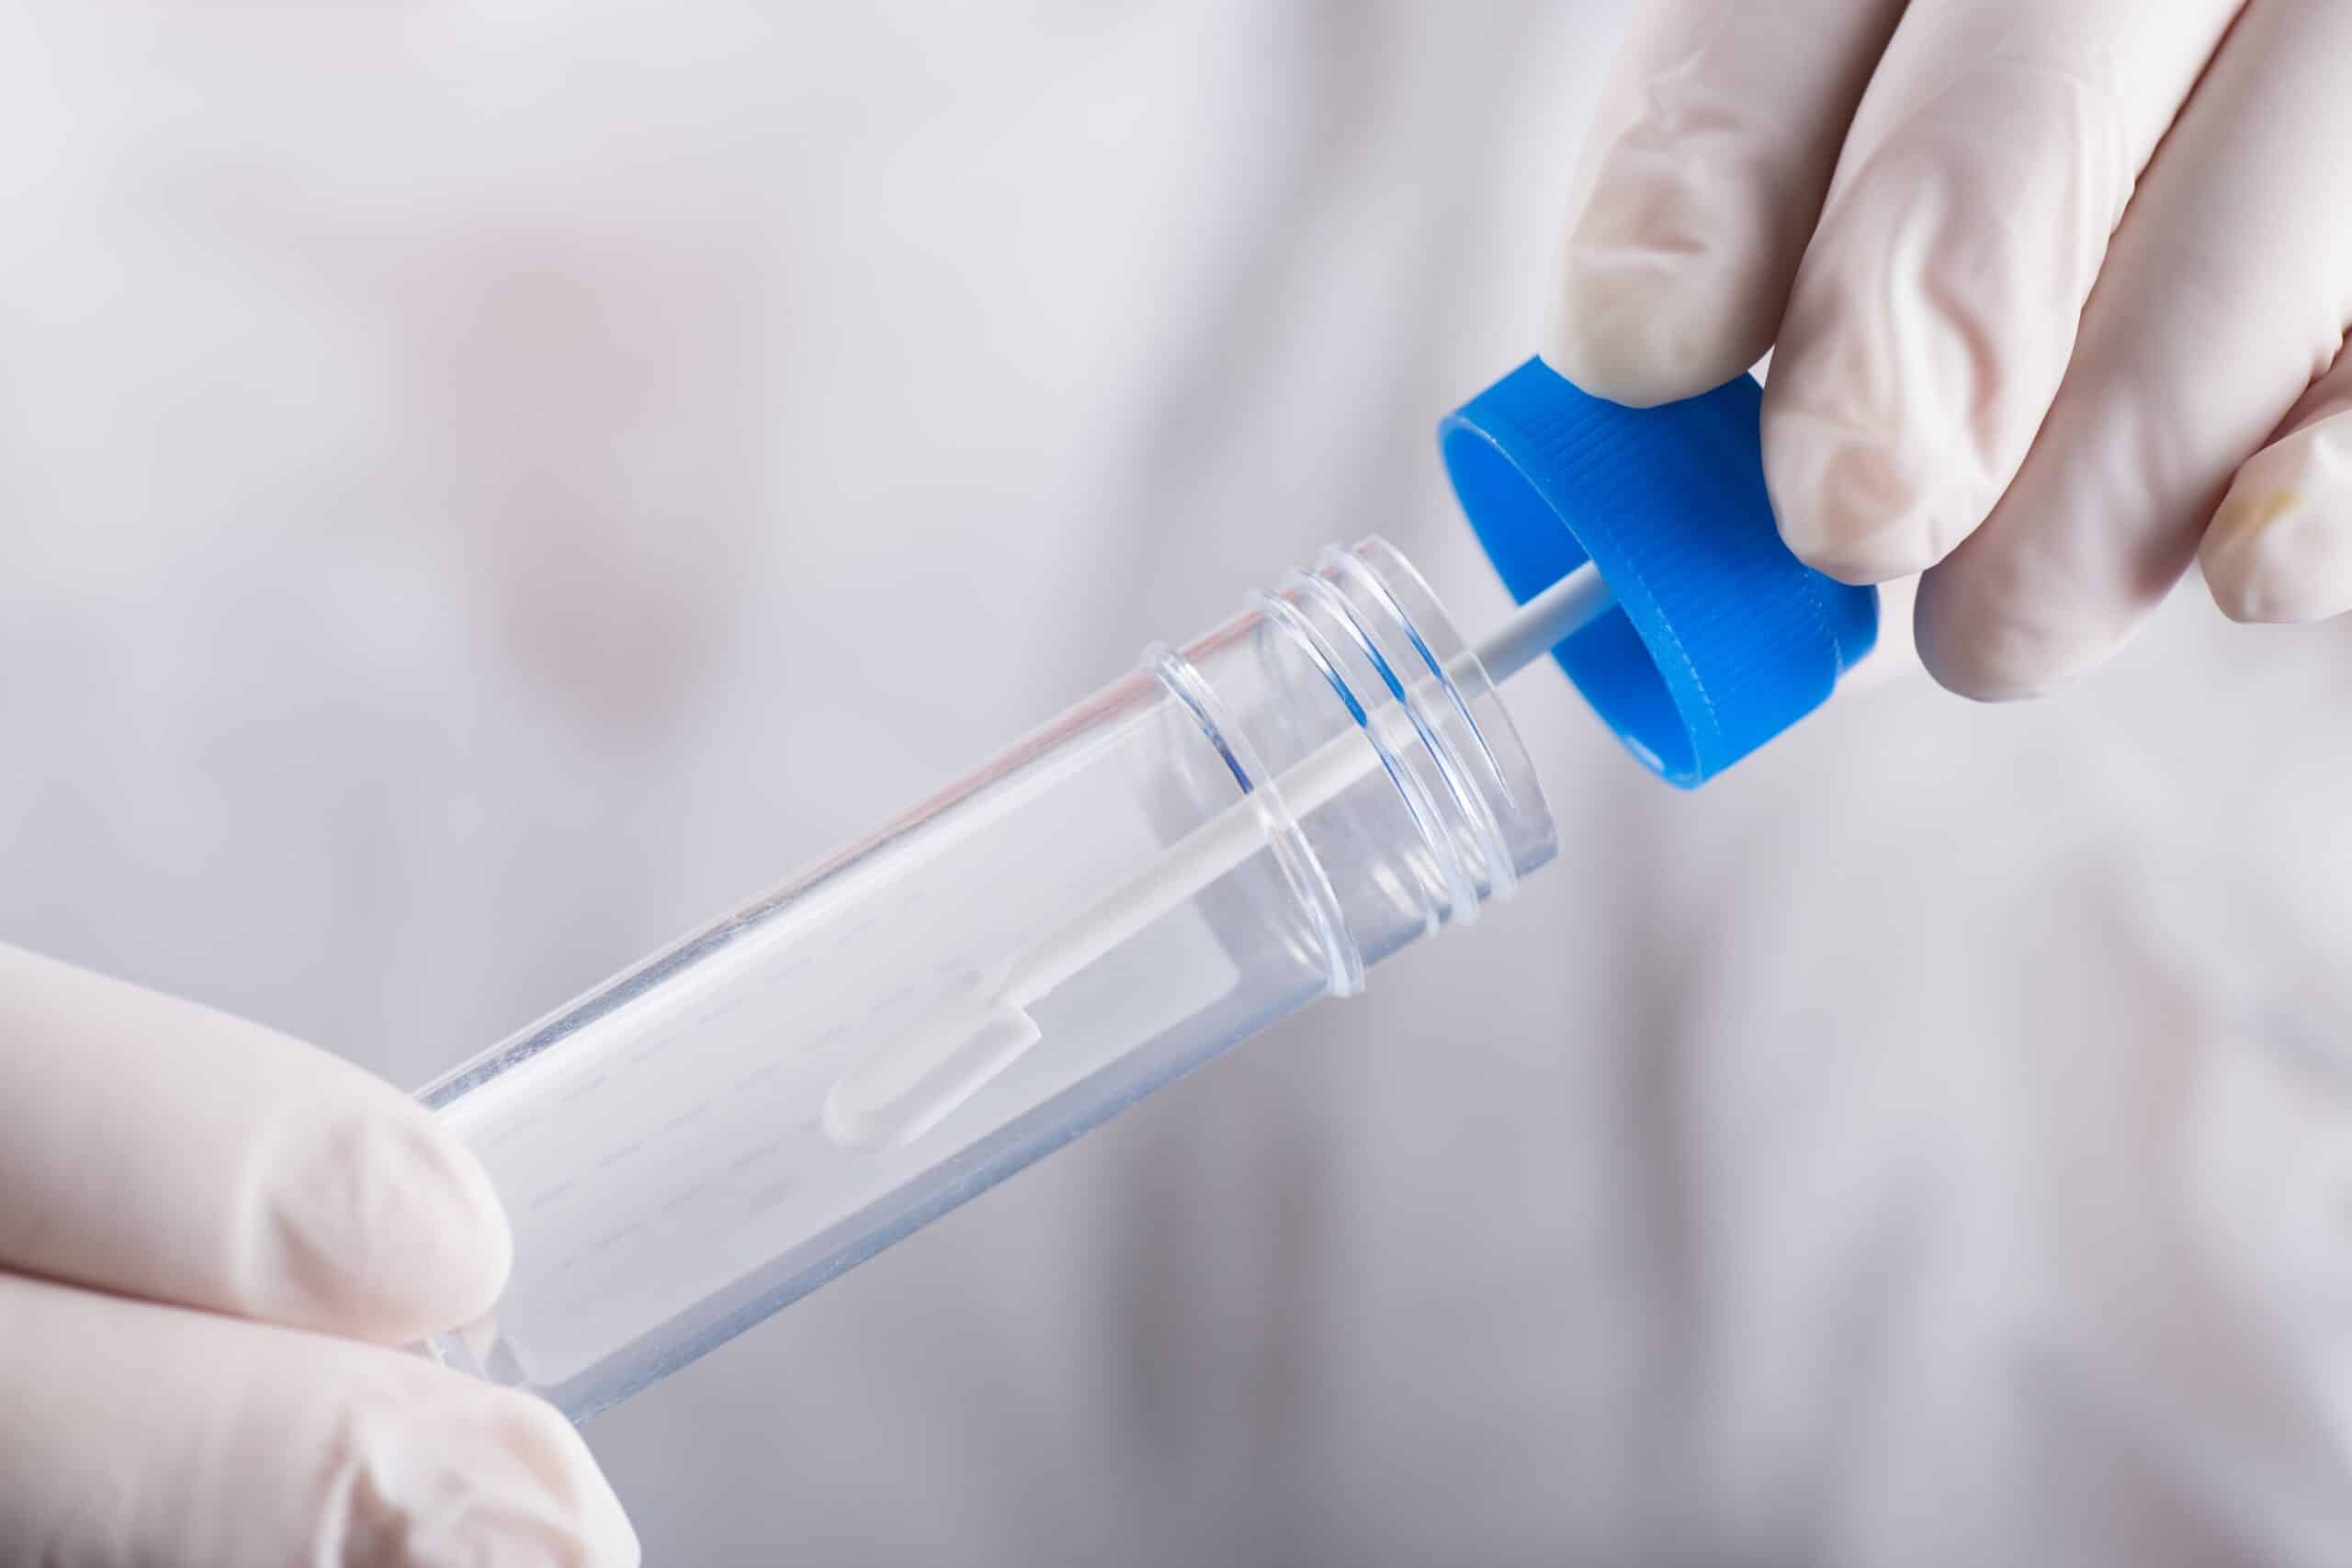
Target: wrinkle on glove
2074 266
204 1222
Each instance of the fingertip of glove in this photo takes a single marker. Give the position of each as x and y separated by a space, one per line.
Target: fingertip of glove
1607 359
1979 644
1851 505
2277 551
1673 272
452 1473
380 1225
595 1529
468 1244
1626 328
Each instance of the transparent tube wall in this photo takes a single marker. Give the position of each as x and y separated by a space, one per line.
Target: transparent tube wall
672 1148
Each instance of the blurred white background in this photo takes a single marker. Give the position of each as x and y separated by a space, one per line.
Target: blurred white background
482 489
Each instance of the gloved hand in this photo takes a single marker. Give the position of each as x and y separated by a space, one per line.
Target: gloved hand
2039 277
208 1233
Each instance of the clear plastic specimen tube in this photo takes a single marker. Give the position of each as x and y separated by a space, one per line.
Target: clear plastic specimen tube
1234 831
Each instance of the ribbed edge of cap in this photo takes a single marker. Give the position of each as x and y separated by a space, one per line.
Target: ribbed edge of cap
1720 638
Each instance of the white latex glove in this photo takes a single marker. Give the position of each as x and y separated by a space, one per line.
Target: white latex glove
2039 278
209 1232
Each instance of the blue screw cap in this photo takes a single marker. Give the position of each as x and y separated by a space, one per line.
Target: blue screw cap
1720 638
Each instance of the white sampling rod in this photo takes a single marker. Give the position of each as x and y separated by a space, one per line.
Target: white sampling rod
1227 839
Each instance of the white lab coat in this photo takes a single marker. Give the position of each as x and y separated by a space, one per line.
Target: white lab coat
483 492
